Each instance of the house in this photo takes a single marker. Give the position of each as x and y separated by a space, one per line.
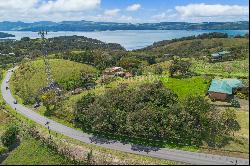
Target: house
223 89
11 53
219 56
115 72
112 70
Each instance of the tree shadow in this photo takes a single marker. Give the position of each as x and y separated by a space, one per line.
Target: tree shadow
101 140
142 148
10 149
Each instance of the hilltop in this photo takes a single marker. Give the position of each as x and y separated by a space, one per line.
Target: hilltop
201 47
104 26
31 77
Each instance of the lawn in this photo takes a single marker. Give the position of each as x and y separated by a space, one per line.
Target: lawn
243 119
195 86
33 152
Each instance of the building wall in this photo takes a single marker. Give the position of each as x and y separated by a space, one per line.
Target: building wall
218 96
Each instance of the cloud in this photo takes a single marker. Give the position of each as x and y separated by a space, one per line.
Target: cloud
112 12
133 7
69 5
205 10
51 10
17 4
170 14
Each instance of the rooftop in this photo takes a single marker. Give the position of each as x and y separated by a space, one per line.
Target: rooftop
220 53
224 85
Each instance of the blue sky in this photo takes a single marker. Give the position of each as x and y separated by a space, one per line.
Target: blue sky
124 10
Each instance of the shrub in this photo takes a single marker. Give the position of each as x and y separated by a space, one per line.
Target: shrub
151 111
10 135
3 150
179 67
158 70
235 103
241 95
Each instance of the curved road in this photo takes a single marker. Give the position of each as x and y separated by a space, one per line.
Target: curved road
163 153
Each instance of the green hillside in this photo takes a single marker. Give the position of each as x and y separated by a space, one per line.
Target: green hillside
31 77
237 68
199 48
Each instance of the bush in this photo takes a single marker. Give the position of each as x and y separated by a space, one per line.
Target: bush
3 150
151 111
179 67
241 96
158 70
9 137
235 103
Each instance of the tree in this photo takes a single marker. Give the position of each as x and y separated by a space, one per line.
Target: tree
179 67
87 78
230 121
25 39
51 101
9 137
158 70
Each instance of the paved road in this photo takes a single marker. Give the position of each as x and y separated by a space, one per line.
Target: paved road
170 154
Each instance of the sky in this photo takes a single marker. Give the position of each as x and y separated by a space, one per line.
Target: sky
130 11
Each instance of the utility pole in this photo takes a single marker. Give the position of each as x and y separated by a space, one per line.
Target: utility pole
51 85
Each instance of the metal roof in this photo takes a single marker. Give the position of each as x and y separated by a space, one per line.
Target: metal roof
215 55
220 53
223 52
224 85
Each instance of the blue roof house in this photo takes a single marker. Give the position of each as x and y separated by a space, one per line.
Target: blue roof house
222 89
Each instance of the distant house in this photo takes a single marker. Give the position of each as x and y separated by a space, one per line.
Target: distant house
219 56
112 70
223 89
11 53
116 72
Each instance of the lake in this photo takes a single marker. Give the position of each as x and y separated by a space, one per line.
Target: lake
129 39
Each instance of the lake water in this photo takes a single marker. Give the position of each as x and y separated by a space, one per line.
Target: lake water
129 39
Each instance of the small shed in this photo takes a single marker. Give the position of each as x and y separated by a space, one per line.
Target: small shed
219 55
223 89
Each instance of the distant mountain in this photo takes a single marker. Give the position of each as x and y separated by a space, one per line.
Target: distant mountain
104 26
4 35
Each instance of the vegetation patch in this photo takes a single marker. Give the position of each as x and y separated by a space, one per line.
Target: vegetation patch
238 68
33 152
194 86
31 77
150 111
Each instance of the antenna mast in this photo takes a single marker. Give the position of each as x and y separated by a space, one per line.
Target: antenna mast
51 85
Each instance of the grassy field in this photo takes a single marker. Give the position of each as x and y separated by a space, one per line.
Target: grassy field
31 77
33 152
195 86
243 119
226 69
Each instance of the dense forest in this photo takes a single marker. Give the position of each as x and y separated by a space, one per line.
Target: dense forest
32 48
